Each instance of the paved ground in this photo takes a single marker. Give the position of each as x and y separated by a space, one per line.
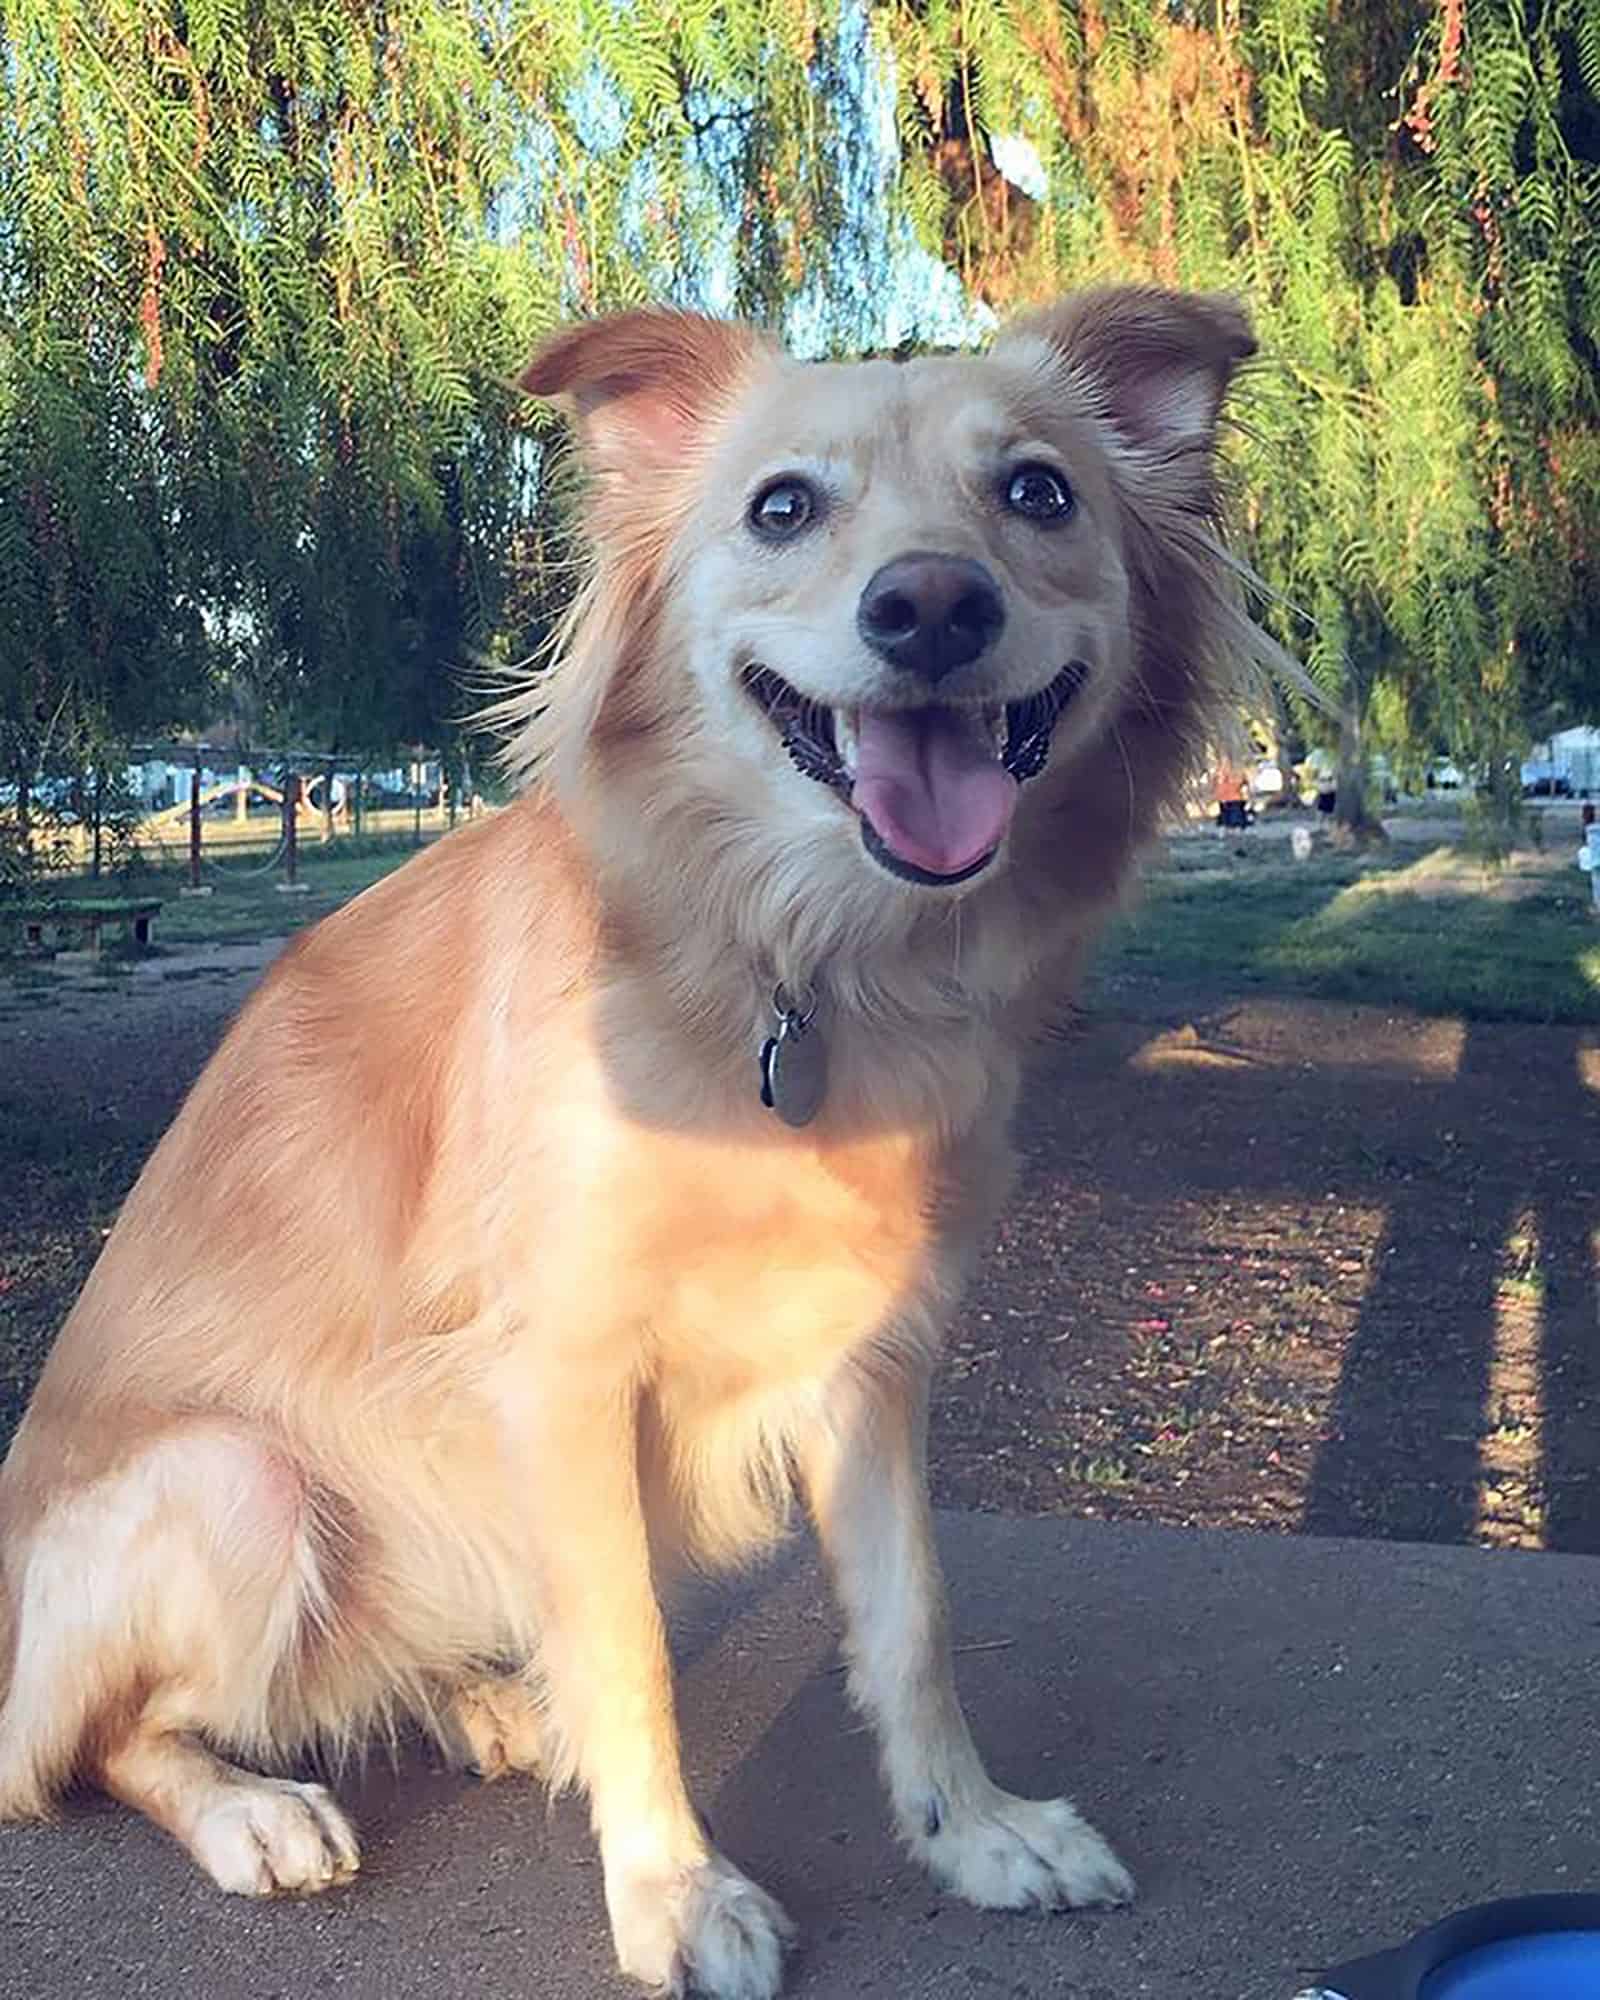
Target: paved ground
1304 1748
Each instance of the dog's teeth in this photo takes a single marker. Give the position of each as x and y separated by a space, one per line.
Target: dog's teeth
994 720
844 738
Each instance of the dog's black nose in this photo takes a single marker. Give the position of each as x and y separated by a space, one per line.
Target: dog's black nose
930 614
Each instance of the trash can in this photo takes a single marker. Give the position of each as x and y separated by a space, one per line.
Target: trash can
1589 859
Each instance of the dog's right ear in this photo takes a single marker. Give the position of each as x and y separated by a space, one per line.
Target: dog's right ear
644 387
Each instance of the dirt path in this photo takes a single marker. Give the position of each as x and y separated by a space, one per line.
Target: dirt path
1291 1264
1272 1262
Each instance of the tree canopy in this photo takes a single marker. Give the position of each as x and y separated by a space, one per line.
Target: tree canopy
267 270
1408 193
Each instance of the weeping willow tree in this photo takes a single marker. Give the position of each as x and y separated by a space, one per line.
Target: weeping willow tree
1409 195
266 271
267 267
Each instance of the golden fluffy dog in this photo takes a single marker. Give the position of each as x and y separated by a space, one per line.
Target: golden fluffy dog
556 1209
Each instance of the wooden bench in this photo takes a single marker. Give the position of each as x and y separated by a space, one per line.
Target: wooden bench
46 927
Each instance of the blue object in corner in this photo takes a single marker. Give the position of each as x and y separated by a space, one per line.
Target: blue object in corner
1527 1948
1549 1965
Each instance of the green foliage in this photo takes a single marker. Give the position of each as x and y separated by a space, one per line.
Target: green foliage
1409 196
268 269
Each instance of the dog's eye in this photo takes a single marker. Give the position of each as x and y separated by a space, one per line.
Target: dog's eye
1039 494
781 509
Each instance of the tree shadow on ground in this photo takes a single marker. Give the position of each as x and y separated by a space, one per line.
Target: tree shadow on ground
1296 1263
1417 1399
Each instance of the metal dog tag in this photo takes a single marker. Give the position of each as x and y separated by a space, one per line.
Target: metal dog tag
794 1064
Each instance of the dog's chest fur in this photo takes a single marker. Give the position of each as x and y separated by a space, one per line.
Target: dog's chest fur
734 1264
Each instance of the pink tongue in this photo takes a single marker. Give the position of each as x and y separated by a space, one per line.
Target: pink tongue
929 782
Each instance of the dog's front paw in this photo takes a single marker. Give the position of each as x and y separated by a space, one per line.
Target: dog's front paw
705 1930
1005 1853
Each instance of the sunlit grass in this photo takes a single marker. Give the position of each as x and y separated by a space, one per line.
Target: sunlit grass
1439 935
245 902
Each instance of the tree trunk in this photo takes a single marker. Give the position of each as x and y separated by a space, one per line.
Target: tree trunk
1495 815
80 811
1353 824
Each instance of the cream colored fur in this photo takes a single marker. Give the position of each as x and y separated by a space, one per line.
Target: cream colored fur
473 1288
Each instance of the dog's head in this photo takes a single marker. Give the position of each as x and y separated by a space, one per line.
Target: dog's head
902 604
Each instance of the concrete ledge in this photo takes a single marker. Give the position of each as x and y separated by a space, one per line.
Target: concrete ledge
1303 1749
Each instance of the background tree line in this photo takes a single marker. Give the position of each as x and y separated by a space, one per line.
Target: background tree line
267 269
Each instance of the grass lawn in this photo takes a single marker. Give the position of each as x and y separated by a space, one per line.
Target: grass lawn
1419 926
245 902
1434 933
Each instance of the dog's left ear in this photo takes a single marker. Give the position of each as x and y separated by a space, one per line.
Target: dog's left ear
645 386
1158 362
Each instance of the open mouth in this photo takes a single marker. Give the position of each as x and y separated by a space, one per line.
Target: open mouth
934 787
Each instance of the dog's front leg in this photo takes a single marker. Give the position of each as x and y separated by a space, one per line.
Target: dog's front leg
683 1918
865 1474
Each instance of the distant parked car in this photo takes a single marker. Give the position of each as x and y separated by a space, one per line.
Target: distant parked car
1443 776
1544 781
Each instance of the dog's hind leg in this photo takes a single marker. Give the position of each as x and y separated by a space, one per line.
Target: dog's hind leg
499 1726
252 1835
169 1604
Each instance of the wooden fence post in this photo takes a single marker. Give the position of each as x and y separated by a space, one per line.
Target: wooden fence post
194 886
291 885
